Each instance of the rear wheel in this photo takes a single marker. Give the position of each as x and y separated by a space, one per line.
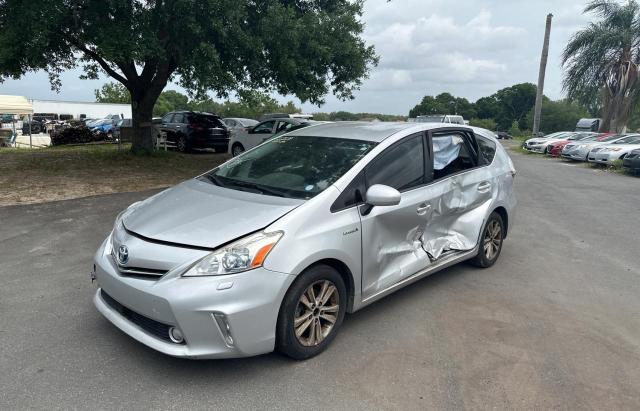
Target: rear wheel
491 242
237 149
311 313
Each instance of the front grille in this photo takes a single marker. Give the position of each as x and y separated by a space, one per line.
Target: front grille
153 327
138 271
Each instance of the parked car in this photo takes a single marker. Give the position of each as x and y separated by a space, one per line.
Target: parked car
503 135
609 153
37 127
579 150
543 144
631 161
122 123
441 118
194 129
234 124
103 127
245 140
556 148
270 250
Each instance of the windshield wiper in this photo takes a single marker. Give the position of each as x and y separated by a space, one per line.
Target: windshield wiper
257 187
215 180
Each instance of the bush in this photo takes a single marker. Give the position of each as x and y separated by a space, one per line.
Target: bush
515 129
486 123
73 135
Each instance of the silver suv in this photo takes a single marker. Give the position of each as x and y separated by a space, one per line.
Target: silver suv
271 249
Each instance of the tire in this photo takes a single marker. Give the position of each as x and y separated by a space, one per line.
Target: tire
487 257
182 145
546 150
306 345
237 149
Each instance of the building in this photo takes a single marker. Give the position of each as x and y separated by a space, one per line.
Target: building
66 110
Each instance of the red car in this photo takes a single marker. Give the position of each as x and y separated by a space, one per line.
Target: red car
556 148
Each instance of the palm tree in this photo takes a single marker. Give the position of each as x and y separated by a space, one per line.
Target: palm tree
603 59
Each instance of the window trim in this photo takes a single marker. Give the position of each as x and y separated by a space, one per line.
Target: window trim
474 149
426 152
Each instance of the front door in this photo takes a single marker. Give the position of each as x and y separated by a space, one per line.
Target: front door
392 236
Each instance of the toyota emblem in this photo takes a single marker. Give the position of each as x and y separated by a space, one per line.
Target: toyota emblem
123 255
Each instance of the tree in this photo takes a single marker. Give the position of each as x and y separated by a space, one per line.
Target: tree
514 130
514 103
113 93
444 103
601 61
304 48
487 123
559 115
487 107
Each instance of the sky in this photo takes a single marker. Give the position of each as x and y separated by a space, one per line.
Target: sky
469 48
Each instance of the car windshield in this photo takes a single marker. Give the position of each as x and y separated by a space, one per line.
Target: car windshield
291 166
629 140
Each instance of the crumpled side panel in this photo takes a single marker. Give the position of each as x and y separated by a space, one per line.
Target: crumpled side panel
457 215
392 246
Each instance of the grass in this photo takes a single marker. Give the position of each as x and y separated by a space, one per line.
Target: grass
57 173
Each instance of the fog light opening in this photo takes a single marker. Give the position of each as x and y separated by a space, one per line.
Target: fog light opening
175 335
224 327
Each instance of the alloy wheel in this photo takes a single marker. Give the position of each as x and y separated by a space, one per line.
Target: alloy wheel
237 150
492 239
316 313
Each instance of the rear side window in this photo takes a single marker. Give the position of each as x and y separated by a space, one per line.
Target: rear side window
400 166
487 149
452 153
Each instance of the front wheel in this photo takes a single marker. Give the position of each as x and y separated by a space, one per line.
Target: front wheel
311 313
491 242
182 144
237 149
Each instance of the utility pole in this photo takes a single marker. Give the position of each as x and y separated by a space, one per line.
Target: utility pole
541 73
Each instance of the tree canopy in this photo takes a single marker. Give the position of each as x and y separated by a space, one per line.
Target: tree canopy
303 48
602 60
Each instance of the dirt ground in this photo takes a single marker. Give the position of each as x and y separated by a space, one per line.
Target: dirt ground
61 173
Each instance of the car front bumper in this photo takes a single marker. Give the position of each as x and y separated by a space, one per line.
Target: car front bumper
632 163
602 158
207 310
578 155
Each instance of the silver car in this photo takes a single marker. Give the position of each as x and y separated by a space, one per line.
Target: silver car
246 139
610 153
579 150
271 249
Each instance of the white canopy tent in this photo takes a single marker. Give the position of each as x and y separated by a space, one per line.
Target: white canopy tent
17 105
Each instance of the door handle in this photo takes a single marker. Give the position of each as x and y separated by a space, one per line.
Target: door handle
423 209
484 186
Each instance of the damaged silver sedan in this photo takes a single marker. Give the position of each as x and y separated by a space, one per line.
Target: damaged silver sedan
271 249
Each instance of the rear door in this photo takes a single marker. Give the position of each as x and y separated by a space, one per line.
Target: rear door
461 192
259 132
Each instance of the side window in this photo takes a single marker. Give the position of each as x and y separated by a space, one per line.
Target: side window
452 153
178 118
264 128
352 195
167 118
400 166
283 125
487 149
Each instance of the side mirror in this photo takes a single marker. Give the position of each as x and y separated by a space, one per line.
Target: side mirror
380 195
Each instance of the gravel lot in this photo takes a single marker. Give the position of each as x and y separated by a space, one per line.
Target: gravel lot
555 324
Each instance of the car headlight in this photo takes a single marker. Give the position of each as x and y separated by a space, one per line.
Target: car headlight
124 213
241 255
614 149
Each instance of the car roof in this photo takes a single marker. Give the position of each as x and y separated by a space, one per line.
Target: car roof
367 131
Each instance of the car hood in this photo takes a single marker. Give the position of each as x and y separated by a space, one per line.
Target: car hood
197 213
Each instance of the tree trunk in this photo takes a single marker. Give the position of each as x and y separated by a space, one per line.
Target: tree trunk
541 73
142 113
